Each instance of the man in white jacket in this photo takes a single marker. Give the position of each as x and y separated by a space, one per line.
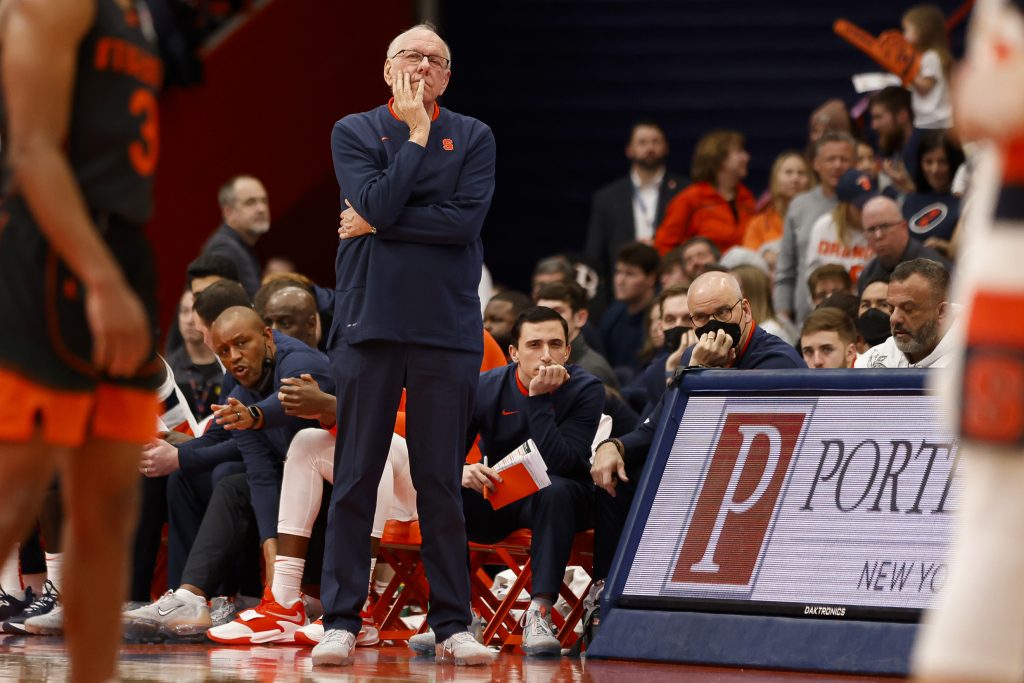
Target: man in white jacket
920 320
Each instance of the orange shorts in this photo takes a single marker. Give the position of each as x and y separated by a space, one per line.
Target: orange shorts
68 418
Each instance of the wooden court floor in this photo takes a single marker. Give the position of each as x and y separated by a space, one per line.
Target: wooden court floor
35 658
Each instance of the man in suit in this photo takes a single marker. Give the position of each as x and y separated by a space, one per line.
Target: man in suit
631 208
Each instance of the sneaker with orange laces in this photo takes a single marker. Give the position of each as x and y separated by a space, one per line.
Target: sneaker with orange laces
269 622
313 633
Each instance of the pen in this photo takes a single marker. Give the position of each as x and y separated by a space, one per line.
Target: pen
485 486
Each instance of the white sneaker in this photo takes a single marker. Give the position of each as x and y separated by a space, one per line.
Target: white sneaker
463 650
313 632
49 624
538 634
423 644
169 618
335 649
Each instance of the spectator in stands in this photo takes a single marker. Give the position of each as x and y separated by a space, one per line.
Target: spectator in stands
717 205
873 313
790 176
892 120
889 237
728 337
622 326
559 410
207 269
921 317
200 273
570 301
630 208
756 289
277 265
830 117
196 370
245 211
865 160
556 268
677 336
654 336
827 279
838 237
833 156
875 296
845 302
931 209
670 270
501 313
828 339
699 253
924 27
560 268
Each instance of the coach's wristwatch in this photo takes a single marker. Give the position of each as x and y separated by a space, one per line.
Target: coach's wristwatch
257 417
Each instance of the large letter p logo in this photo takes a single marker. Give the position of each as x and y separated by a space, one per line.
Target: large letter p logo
737 498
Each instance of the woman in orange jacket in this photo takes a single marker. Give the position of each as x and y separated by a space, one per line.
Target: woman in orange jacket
717 205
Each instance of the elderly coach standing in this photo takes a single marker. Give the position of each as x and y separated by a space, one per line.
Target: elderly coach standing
416 181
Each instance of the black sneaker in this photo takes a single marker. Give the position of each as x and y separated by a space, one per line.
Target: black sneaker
11 606
40 606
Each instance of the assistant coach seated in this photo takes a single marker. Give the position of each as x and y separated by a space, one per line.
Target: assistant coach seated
536 397
727 337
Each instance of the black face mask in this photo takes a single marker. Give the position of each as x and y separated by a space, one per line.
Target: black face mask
731 329
873 325
673 337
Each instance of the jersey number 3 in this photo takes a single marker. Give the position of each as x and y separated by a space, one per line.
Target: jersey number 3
143 153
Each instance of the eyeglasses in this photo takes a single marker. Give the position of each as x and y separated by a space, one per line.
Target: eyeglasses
413 58
881 228
722 315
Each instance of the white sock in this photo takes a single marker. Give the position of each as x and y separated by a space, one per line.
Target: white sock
373 567
287 584
10 577
55 570
189 596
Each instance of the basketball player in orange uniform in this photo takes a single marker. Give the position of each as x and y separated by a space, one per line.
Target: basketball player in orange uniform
77 361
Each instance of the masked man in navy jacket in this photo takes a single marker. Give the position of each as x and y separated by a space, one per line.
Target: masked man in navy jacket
727 337
416 181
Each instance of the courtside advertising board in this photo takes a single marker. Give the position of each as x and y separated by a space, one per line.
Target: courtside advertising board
812 496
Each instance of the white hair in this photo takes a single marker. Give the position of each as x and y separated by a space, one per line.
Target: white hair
393 46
